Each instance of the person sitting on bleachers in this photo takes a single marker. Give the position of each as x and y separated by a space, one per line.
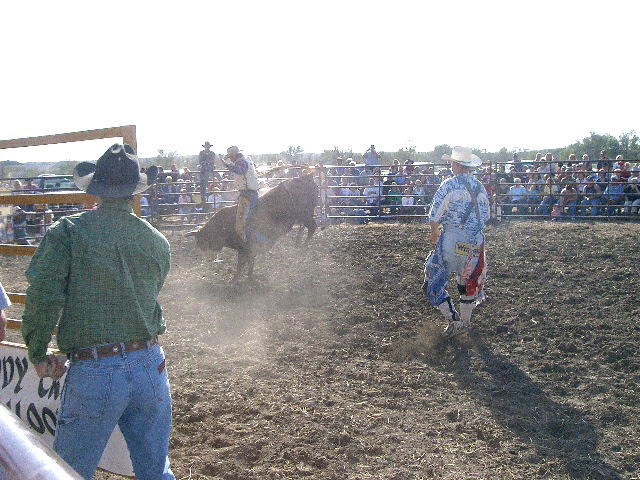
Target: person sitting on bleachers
372 192
534 189
419 193
518 195
144 206
623 169
354 199
550 193
632 197
502 196
408 202
591 196
613 195
19 223
568 198
184 204
394 198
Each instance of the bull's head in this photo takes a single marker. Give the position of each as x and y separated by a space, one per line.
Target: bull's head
199 238
204 241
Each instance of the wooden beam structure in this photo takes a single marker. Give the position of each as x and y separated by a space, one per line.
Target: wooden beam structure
127 132
17 297
12 249
48 198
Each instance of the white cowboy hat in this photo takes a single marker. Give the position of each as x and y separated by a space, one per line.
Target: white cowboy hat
232 151
116 174
463 156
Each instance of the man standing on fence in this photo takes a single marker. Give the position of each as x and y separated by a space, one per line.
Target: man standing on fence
97 275
371 158
206 160
246 180
461 207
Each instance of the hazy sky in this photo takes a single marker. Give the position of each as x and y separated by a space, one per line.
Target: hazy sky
267 74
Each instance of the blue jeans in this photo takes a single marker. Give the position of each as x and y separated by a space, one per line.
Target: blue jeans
594 203
130 390
546 205
447 259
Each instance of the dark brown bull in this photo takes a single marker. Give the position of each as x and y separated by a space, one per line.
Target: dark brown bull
277 211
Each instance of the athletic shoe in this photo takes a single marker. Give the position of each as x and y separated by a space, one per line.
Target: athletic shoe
455 328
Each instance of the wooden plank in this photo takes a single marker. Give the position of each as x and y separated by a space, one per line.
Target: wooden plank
127 132
13 324
21 346
10 249
48 198
58 197
17 297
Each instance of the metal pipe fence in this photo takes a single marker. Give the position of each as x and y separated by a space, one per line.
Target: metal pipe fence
24 455
379 193
27 211
190 200
360 194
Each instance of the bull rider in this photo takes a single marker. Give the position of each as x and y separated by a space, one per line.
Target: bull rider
246 182
461 207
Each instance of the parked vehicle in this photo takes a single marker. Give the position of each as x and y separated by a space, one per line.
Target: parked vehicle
48 182
40 216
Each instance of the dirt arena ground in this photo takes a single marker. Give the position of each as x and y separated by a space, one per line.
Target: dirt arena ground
330 365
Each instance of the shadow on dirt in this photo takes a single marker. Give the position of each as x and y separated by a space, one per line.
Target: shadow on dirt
556 430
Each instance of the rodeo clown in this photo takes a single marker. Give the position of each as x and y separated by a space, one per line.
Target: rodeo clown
461 207
246 181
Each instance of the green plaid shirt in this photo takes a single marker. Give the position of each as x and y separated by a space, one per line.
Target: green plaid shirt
97 275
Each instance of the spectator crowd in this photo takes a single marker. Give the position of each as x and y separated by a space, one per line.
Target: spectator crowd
565 189
365 190
542 187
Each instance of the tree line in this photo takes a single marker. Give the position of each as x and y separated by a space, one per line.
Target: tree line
627 145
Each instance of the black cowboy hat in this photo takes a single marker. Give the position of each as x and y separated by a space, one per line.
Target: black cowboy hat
116 174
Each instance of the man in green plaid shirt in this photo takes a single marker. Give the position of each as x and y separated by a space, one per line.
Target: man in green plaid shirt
97 276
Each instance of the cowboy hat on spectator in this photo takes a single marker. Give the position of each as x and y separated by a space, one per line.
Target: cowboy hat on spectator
463 156
116 174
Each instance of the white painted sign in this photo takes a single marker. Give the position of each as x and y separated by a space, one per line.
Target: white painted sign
36 400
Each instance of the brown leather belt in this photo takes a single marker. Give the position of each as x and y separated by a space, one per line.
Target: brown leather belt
112 349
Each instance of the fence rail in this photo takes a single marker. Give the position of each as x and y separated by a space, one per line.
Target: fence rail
347 197
343 196
22 454
177 200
